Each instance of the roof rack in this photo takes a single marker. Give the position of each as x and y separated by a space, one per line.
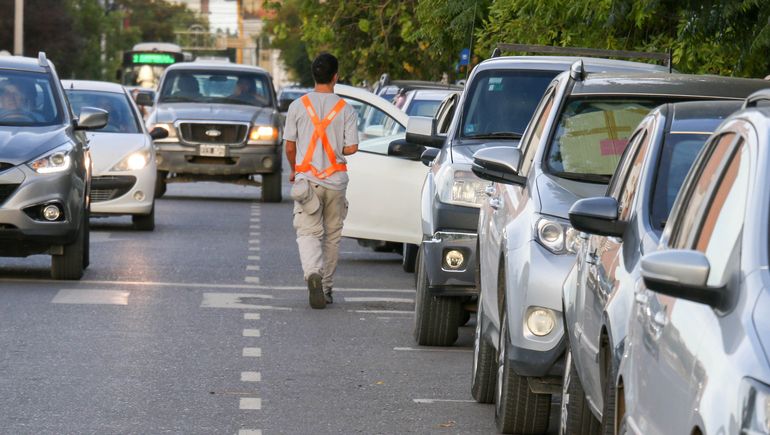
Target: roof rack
42 60
753 100
665 58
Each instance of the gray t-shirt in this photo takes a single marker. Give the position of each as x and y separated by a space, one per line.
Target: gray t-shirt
342 132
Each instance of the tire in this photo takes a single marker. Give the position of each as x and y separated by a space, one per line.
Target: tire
160 184
436 318
610 396
69 265
576 416
517 409
87 241
144 222
465 317
484 374
271 187
409 257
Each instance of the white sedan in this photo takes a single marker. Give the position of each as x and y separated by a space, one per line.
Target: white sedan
124 172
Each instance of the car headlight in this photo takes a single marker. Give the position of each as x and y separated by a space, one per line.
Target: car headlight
755 408
134 161
556 235
260 133
462 188
58 160
166 126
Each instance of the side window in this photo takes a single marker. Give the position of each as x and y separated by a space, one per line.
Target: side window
617 181
376 129
445 114
530 144
720 226
631 185
699 190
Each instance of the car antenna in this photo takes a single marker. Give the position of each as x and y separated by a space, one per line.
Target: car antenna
577 71
41 59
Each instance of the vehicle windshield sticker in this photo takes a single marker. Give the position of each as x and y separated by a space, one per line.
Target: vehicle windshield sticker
495 84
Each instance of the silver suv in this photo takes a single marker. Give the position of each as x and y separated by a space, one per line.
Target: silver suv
698 349
569 151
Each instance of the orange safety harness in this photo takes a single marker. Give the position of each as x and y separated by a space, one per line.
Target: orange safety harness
320 134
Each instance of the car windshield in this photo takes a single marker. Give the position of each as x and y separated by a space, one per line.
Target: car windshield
28 99
591 136
122 118
677 156
501 103
226 87
423 108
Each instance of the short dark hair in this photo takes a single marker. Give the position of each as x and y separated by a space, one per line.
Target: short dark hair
324 67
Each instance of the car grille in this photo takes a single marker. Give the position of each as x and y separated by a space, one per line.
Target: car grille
194 132
110 187
6 190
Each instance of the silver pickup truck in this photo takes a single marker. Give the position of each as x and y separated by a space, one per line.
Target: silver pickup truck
223 125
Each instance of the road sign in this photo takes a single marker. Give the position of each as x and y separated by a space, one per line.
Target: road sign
465 56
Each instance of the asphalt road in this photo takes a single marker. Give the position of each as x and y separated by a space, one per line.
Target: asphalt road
203 326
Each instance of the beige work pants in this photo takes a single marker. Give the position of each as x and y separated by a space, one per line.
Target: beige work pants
318 234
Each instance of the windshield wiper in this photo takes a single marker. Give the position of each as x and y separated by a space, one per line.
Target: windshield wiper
589 178
496 135
176 99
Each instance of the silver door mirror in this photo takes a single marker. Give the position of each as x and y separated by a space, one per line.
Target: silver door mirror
91 118
682 274
499 164
422 130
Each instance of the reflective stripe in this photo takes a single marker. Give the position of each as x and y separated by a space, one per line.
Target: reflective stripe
320 134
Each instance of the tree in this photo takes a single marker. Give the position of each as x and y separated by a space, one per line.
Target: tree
285 31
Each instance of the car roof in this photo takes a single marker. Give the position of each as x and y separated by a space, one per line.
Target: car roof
21 63
219 66
562 63
432 94
667 85
700 116
92 85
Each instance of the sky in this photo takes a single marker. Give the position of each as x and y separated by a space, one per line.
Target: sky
223 15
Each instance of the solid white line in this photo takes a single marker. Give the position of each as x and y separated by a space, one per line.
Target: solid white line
378 299
253 279
251 316
249 432
252 267
254 241
251 332
443 400
254 234
432 349
380 311
254 257
252 352
253 403
251 377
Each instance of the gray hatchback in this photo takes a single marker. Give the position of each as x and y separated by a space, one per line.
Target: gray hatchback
45 167
698 346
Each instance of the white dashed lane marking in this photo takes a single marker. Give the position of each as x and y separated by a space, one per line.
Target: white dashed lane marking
251 316
252 267
411 313
251 403
443 400
252 352
254 257
251 333
101 297
252 279
432 349
249 432
251 377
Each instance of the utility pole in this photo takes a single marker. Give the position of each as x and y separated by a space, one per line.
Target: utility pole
241 39
18 28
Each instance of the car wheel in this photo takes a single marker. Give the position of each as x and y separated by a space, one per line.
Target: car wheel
69 264
576 416
610 395
144 222
87 241
436 318
484 369
409 257
160 184
271 187
517 409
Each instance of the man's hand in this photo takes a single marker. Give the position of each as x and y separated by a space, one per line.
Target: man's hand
291 176
350 149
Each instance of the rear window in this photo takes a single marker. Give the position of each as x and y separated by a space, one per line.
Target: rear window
423 108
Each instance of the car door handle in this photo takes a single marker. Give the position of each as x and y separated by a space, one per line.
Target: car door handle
659 319
490 190
495 203
641 299
591 258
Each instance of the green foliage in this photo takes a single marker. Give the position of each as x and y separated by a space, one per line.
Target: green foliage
284 29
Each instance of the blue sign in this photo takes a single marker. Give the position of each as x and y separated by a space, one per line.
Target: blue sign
465 56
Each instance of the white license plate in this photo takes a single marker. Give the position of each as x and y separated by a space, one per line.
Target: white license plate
213 150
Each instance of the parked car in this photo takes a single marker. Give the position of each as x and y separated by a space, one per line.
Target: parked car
696 359
424 102
124 170
287 95
45 167
493 110
569 152
223 125
623 225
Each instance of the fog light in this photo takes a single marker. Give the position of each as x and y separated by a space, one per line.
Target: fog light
454 259
267 162
51 212
139 195
540 321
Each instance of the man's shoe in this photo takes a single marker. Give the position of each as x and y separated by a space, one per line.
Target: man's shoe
329 298
316 291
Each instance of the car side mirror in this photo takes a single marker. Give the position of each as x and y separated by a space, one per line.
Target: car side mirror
597 215
682 274
422 130
429 155
158 133
91 118
144 98
499 164
404 149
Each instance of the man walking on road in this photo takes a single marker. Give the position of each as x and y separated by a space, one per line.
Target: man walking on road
320 130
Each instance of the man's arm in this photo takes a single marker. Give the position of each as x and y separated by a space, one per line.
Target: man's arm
291 156
350 149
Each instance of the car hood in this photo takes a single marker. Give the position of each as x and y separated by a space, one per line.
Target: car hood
108 149
558 194
462 152
213 112
21 144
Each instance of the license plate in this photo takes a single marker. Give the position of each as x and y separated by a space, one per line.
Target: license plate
213 150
